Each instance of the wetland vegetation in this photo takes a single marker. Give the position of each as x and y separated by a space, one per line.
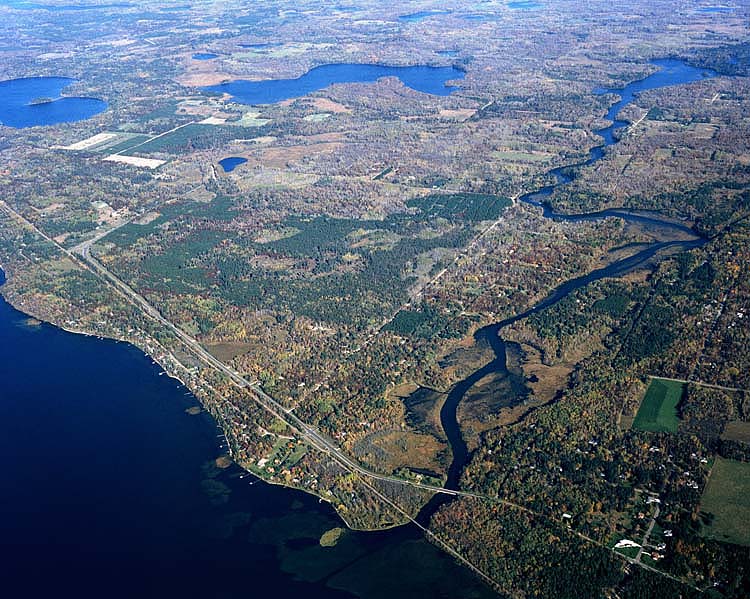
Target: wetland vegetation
512 262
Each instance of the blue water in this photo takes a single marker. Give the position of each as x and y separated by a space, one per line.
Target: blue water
24 5
108 490
716 9
414 17
204 56
16 95
671 72
231 163
428 80
524 5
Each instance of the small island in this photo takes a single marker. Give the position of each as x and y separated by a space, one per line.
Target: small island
41 100
331 537
223 462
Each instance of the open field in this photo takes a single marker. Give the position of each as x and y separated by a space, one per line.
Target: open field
522 156
228 350
658 411
90 142
135 161
111 142
208 133
727 497
737 430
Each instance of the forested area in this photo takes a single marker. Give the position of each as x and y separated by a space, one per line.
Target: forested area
578 457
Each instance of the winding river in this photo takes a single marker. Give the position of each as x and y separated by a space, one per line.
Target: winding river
671 72
100 514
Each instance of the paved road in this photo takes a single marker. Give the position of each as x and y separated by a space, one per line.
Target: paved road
697 383
317 440
85 245
646 536
314 437
308 432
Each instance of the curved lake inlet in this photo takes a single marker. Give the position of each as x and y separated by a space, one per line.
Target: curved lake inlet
671 72
231 162
35 101
425 79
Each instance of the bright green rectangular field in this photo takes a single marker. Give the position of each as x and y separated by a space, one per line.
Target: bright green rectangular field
727 498
658 411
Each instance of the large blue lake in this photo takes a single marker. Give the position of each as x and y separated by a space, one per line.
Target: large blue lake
21 102
425 79
109 489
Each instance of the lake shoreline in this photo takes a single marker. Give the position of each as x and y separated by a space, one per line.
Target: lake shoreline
121 455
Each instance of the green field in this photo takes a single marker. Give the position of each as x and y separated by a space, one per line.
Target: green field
121 143
737 430
193 136
727 497
658 411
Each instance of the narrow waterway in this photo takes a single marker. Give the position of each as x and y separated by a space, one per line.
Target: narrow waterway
671 72
110 488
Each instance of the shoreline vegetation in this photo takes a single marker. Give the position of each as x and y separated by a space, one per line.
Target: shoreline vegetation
418 303
330 538
183 374
171 369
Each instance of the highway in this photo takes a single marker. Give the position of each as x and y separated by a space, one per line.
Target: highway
81 254
306 431
85 245
310 434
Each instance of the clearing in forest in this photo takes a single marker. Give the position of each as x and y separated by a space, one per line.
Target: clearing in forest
658 411
727 500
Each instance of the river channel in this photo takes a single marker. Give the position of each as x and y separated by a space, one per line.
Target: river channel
111 489
671 72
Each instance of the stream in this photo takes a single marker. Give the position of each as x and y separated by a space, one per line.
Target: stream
671 72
